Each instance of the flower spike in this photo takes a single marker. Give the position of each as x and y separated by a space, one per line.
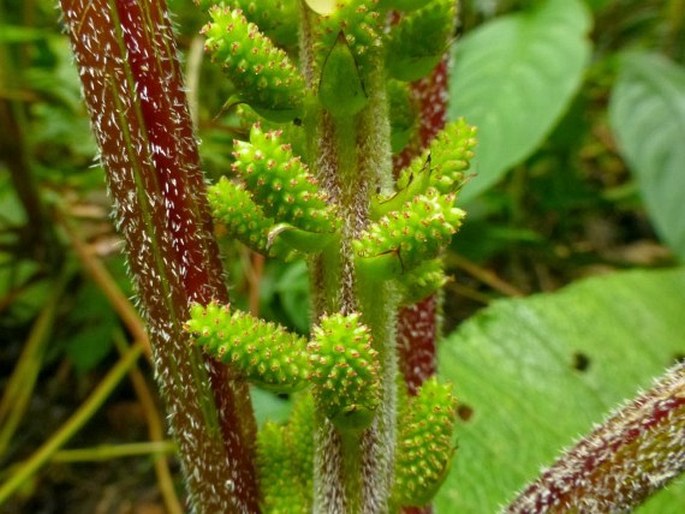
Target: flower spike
402 240
263 73
263 352
244 219
345 371
424 444
281 184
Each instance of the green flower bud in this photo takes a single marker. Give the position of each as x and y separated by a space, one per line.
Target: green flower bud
281 184
285 459
244 219
422 281
402 240
450 154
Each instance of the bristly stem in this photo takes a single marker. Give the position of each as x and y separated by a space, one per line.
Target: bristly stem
636 452
126 54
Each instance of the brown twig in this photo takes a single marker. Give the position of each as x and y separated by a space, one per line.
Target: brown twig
486 276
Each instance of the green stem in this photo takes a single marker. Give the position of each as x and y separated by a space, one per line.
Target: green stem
72 425
20 386
115 451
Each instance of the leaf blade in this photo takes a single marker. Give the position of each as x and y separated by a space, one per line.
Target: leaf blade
513 78
513 364
647 114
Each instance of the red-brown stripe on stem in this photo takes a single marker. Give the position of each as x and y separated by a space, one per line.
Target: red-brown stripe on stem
127 61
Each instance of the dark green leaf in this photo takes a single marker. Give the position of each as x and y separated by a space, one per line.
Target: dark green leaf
648 117
513 78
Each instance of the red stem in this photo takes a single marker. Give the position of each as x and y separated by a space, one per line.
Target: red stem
126 54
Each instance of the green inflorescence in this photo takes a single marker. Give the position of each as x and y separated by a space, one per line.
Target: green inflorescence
277 19
281 184
263 352
284 203
263 73
285 461
442 167
345 370
425 444
422 281
417 43
402 240
448 158
232 205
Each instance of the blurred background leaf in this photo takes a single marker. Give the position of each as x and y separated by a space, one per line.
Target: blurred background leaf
648 117
513 77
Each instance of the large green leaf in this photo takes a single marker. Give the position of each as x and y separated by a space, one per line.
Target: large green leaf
513 78
648 117
538 372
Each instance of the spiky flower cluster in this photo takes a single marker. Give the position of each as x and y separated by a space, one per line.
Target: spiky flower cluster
425 444
263 73
402 240
281 183
244 219
263 352
345 370
285 460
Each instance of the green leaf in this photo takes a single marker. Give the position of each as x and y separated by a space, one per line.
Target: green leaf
513 78
647 113
533 374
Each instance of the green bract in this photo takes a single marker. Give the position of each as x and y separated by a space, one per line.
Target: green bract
341 90
263 73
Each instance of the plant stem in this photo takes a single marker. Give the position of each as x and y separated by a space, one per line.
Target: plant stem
115 451
127 60
19 388
637 451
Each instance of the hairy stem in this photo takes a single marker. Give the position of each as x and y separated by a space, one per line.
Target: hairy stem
126 55
637 451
